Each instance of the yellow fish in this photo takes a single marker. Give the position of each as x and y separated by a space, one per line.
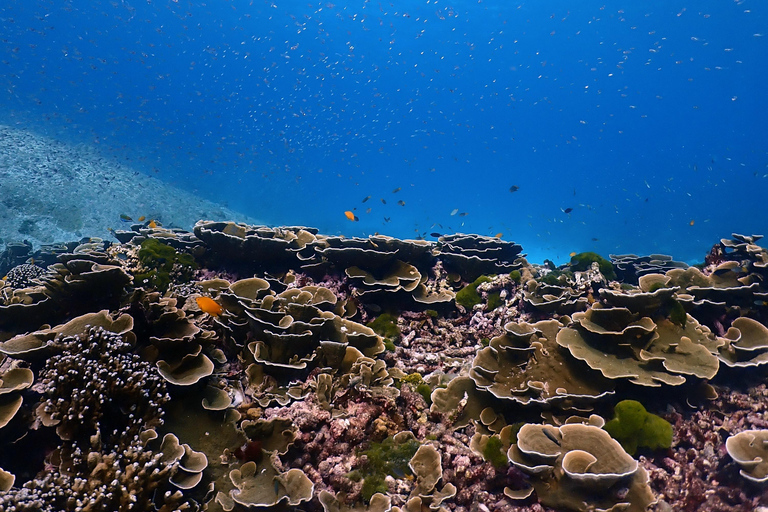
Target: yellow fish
141 219
152 224
210 306
351 216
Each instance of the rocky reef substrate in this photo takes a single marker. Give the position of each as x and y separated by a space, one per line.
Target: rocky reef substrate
242 367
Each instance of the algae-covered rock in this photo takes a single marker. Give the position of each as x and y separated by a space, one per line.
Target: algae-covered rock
468 296
634 427
584 260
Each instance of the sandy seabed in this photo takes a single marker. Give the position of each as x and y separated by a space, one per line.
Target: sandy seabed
53 192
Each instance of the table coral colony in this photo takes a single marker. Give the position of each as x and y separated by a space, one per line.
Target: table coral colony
242 367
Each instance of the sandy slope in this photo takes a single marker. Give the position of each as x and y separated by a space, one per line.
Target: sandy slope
52 192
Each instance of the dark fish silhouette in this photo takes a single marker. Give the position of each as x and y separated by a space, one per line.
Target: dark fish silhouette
567 210
514 188
366 198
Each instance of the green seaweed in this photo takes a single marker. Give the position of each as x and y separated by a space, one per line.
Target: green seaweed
425 391
634 427
468 296
385 325
431 313
160 260
584 260
389 345
494 301
382 459
413 378
516 276
677 314
494 453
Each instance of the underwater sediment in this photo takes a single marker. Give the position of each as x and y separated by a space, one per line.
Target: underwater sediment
242 367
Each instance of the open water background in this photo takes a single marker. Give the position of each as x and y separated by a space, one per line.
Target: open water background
645 121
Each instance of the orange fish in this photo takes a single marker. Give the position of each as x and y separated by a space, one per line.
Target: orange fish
351 216
141 219
210 306
691 223
152 224
498 235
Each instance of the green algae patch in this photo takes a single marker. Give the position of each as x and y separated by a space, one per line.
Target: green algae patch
494 301
468 296
385 325
557 278
494 453
634 427
516 276
677 314
426 392
413 378
584 260
385 458
159 261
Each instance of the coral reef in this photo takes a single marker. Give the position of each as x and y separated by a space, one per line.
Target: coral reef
241 367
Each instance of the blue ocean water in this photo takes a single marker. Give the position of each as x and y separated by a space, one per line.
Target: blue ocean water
612 127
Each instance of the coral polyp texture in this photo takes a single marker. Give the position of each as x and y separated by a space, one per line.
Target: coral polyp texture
243 367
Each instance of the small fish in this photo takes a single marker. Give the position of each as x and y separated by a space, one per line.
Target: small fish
498 235
691 223
368 210
595 239
436 235
141 219
463 214
514 188
383 201
366 198
398 189
152 224
401 202
567 210
455 211
125 218
351 216
572 254
387 219
210 306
